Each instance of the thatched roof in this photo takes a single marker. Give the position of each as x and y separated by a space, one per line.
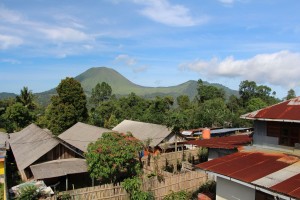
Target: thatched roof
80 135
143 131
58 168
30 144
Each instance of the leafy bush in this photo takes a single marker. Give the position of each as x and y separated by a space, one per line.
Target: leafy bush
181 195
29 192
65 196
208 188
133 187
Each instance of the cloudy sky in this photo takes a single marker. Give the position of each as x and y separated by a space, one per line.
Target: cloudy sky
151 42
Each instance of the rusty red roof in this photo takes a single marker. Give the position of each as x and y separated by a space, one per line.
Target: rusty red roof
289 186
229 142
251 166
284 111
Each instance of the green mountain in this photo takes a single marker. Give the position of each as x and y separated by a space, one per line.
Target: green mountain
5 95
122 86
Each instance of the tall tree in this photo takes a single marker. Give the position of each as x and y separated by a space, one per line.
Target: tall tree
26 98
100 93
17 117
68 107
255 103
291 94
113 156
183 102
208 92
212 113
247 90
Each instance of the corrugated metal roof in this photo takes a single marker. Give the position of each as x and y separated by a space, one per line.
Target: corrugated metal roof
30 144
268 170
290 186
287 110
80 135
229 142
57 168
278 176
144 131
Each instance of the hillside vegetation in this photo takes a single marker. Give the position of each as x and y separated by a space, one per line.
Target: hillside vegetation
121 86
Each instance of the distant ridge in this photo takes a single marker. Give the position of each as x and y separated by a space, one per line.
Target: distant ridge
121 86
5 95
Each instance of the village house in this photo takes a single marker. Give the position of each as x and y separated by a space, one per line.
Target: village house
80 135
270 169
222 146
161 137
40 156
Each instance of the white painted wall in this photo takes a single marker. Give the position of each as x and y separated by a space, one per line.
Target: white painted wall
227 189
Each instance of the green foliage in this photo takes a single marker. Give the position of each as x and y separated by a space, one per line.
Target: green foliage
29 192
100 93
17 117
255 104
212 113
133 187
68 107
26 98
202 154
249 90
113 157
65 196
181 195
291 94
208 188
111 122
183 102
207 92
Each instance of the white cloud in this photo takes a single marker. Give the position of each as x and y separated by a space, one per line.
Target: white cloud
9 15
227 1
10 61
163 12
281 68
127 60
60 34
131 63
7 41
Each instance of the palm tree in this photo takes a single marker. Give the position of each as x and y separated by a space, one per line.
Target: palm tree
26 98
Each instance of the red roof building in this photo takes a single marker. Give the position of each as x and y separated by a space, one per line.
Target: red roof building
262 173
254 174
229 142
277 125
286 111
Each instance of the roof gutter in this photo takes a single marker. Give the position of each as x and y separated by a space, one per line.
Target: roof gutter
272 120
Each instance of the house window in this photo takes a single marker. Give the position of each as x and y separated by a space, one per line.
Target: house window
289 134
273 129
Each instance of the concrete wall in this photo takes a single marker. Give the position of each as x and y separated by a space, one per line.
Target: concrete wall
227 189
260 135
216 153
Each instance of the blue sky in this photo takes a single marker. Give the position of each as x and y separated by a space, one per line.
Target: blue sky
151 42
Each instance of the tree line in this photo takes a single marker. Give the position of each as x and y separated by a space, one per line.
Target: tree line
210 107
